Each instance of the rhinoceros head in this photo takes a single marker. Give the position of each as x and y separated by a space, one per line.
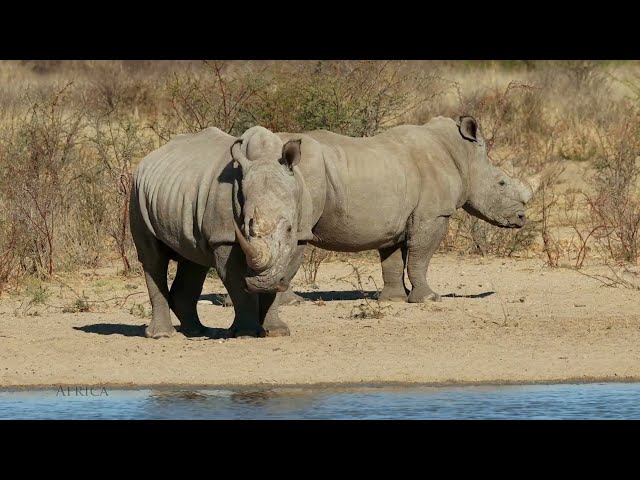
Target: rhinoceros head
271 199
492 195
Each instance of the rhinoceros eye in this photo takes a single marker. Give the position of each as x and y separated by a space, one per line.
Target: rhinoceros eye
502 183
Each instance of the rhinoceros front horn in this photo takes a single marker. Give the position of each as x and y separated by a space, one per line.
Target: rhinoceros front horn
257 258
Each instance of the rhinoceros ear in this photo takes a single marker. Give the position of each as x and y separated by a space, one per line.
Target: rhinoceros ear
469 128
238 156
291 153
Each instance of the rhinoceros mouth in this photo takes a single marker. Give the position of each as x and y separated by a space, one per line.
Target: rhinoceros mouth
256 285
478 214
515 221
518 222
508 223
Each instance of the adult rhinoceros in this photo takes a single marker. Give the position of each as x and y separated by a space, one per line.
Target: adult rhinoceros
396 191
186 200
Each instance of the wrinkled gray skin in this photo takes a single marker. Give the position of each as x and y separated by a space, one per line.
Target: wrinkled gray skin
396 191
188 198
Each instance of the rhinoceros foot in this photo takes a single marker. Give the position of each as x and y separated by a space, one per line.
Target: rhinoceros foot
390 294
423 295
277 328
159 331
193 330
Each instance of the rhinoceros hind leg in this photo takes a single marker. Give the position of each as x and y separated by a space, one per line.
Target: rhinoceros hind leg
393 261
156 278
424 242
184 294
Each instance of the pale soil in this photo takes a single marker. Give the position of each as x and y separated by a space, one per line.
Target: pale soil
510 321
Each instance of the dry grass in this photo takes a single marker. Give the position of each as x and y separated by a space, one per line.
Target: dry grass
71 133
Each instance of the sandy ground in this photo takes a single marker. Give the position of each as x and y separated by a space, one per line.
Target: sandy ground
499 321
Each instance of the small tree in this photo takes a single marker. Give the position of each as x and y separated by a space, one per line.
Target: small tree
118 141
213 97
39 149
615 207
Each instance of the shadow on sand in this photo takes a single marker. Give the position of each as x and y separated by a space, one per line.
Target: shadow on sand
138 330
219 299
330 296
336 295
327 296
476 295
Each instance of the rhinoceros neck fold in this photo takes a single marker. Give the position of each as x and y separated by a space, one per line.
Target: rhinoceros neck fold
475 212
446 135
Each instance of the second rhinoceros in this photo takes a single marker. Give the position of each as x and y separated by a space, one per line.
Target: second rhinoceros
396 191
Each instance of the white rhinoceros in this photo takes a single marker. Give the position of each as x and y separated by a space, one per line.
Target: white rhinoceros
396 191
186 198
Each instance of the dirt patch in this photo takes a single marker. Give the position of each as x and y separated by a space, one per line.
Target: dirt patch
500 320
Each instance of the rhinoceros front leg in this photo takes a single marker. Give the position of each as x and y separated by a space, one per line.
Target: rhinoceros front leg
155 274
231 266
393 261
270 302
269 318
268 308
184 294
424 238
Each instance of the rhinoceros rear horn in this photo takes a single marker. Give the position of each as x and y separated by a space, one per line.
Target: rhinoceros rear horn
530 186
469 128
535 182
238 156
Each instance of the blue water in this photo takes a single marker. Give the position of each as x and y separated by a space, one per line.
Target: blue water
584 401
